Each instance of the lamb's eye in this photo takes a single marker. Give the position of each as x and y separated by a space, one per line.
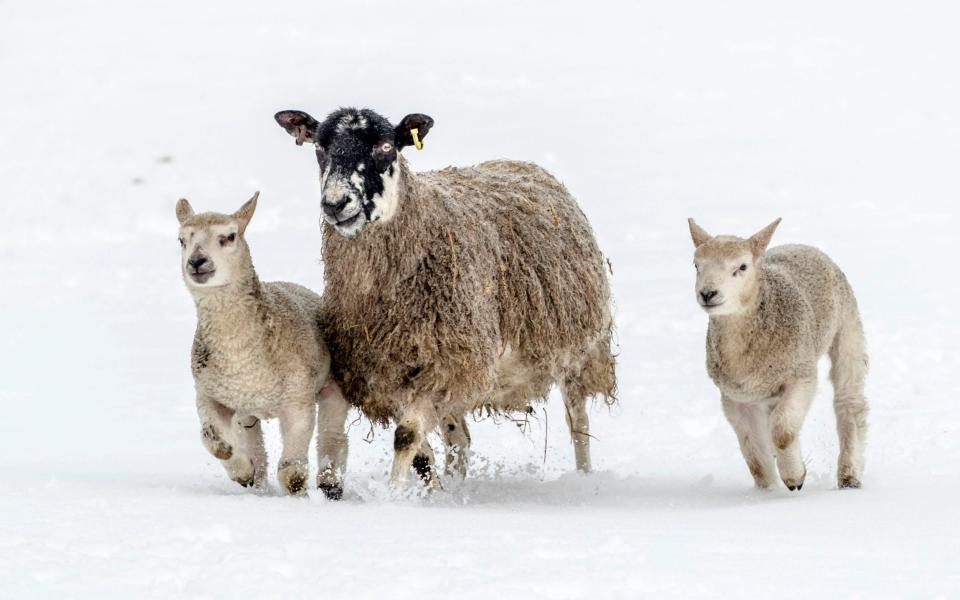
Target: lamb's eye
386 147
182 243
743 267
227 239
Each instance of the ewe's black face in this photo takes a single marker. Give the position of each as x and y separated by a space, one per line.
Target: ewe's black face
357 151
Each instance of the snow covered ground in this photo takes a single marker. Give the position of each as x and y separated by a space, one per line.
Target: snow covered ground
841 118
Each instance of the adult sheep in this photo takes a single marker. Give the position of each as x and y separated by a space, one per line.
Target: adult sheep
452 291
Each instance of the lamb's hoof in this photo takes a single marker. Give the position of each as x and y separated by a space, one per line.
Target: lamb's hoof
246 482
796 484
215 444
333 491
848 482
293 478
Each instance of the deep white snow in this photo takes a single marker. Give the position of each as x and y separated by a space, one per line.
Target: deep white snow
840 117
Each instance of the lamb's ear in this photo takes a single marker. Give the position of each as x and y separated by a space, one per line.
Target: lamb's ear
184 210
699 234
246 212
299 124
761 239
401 133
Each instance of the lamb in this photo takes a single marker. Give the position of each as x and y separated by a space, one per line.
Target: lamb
459 290
773 314
258 353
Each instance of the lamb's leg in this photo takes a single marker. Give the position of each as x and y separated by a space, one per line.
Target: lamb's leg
331 440
786 419
418 419
848 370
578 422
249 439
296 428
219 438
456 438
751 424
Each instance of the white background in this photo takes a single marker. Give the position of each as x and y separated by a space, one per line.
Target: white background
840 118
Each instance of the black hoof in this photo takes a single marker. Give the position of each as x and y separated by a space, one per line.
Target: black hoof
333 491
422 465
297 484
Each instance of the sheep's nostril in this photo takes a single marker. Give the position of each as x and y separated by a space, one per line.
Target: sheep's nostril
708 295
197 262
334 208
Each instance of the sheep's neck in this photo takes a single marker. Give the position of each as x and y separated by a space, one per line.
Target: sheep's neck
735 335
231 314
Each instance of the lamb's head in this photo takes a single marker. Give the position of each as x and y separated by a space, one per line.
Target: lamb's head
213 251
358 155
728 268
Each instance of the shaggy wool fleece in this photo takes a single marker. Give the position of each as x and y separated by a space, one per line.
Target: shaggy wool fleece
485 272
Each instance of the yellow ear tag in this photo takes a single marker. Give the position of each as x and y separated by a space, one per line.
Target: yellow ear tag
415 133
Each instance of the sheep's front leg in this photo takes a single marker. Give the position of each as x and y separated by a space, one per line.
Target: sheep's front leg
410 442
331 440
751 424
219 438
296 428
786 419
456 438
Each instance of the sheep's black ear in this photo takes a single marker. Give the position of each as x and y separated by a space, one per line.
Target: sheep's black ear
299 124
401 133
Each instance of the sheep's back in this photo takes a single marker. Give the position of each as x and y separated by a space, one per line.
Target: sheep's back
553 294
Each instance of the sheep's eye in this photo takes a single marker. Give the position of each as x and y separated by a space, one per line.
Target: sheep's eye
227 239
743 267
386 147
182 244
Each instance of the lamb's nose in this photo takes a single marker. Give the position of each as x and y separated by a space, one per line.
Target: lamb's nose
707 295
333 208
197 262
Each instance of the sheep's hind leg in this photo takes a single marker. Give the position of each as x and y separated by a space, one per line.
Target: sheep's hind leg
848 358
575 402
456 438
296 428
219 438
410 445
751 424
331 441
786 419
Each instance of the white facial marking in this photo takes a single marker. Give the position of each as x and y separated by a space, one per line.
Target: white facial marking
351 121
357 180
388 201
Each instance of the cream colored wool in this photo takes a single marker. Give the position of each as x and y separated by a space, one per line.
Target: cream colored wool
775 314
258 353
